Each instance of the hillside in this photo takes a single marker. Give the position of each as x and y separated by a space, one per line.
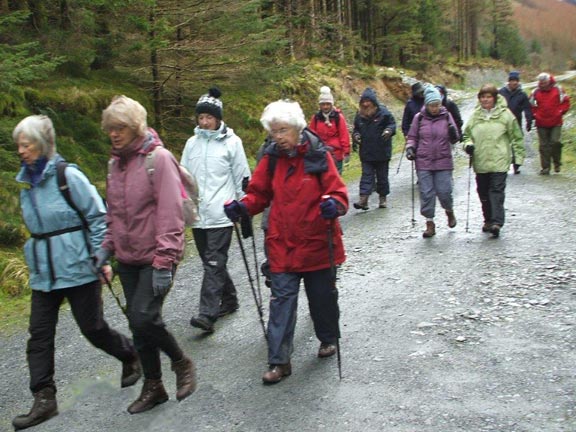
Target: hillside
549 26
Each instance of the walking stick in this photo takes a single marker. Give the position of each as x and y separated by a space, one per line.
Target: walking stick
258 304
107 282
401 157
468 203
413 220
334 289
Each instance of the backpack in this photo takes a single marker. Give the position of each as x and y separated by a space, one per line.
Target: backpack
188 189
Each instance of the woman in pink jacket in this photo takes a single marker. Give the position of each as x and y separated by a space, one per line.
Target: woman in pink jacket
146 235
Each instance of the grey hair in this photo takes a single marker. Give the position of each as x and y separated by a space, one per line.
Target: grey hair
544 77
283 111
38 129
126 111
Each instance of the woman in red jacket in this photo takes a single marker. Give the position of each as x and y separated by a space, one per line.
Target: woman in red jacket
300 176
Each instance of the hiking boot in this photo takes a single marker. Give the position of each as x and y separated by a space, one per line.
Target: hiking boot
44 408
185 377
131 372
516 168
486 227
202 323
382 202
495 230
326 350
556 168
227 310
430 229
545 171
276 373
362 203
153 393
451 218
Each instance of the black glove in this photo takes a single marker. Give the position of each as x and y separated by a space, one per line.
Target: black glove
452 133
386 133
246 226
528 126
245 181
100 259
469 149
235 210
161 281
410 153
356 138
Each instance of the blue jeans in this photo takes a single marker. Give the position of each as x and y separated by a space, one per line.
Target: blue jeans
323 304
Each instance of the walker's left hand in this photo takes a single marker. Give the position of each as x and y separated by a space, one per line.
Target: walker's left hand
161 281
329 209
386 134
106 275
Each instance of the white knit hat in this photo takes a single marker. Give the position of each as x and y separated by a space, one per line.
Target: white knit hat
325 95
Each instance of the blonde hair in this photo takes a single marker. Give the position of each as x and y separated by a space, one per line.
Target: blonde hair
283 111
39 129
125 111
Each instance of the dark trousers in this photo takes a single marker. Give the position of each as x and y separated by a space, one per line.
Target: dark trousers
322 302
375 172
217 286
145 319
87 309
550 146
491 189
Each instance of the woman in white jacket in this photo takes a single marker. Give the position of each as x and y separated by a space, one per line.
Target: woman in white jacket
215 156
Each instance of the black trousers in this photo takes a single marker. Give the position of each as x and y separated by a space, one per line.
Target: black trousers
87 309
145 319
491 189
217 286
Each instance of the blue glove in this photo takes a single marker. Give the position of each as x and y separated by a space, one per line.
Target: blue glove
329 209
161 281
100 259
235 210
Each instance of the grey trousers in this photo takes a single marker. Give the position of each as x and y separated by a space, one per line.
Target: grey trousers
550 146
434 184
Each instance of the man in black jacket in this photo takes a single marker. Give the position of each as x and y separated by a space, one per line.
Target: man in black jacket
518 103
374 127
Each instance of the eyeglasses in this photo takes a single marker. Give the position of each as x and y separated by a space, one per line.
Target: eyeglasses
280 132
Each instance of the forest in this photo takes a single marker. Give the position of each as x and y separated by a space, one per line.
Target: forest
67 58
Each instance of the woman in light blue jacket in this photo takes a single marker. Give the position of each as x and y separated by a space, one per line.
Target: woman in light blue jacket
59 258
215 156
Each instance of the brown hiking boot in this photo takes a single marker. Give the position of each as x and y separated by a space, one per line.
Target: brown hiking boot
185 377
153 393
131 372
276 373
382 202
44 408
326 350
362 203
451 218
430 229
495 230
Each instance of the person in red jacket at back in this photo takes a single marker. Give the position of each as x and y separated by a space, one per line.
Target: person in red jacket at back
549 104
330 125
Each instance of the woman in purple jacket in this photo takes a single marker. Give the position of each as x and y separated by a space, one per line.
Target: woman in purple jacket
146 235
429 144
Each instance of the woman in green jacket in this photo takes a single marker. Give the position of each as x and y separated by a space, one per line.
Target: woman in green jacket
491 136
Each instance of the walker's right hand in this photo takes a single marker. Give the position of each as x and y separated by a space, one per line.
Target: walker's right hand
469 149
410 153
100 259
235 210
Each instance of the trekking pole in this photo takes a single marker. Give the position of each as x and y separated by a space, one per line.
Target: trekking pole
256 269
107 282
468 199
330 224
413 220
258 304
401 157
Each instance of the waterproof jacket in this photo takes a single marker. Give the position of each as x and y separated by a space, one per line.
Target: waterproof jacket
495 135
335 134
430 139
297 236
373 147
413 107
57 261
217 159
145 219
451 107
549 105
518 103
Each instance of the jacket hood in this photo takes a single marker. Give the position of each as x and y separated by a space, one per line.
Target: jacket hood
370 94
